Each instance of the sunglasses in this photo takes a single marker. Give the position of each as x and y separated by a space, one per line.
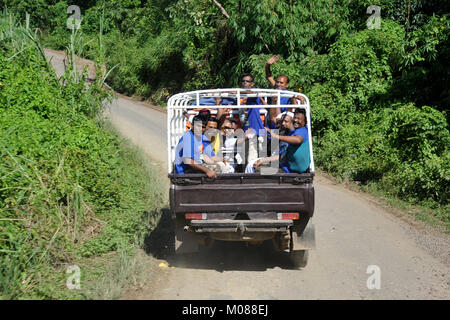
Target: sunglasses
227 128
246 81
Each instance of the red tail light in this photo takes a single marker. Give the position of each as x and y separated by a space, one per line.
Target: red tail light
195 216
288 216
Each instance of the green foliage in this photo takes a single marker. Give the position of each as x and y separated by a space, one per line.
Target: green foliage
68 188
406 149
418 133
424 60
43 12
362 64
330 110
152 70
354 152
290 28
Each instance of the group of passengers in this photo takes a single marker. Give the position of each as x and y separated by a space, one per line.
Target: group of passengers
215 143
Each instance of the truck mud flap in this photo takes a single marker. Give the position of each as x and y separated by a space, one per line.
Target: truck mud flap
185 242
306 240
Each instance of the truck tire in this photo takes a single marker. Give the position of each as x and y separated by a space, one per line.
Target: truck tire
299 258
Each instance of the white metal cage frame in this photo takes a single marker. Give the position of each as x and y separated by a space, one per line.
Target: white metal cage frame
176 121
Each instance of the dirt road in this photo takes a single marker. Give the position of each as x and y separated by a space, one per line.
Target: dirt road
353 234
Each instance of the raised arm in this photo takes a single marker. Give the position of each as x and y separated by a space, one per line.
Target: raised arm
269 76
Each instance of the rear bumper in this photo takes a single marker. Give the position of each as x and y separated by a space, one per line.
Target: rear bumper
240 226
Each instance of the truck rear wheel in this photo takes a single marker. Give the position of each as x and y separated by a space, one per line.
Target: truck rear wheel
299 258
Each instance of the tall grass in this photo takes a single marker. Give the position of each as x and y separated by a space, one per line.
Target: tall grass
70 190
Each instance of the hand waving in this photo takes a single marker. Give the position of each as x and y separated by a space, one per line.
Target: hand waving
272 60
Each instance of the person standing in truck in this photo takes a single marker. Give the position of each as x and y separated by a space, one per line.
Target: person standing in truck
250 119
281 83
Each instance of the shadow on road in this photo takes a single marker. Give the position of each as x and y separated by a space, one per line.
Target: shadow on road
222 256
160 242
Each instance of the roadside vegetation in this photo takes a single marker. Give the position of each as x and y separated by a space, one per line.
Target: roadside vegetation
72 192
379 96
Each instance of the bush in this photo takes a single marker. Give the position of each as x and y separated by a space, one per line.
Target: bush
421 139
418 133
68 188
330 109
354 152
421 180
405 148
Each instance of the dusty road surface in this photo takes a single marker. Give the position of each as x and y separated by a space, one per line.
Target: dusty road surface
353 235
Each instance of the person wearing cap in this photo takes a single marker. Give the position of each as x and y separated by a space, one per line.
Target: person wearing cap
297 155
286 128
194 149
280 117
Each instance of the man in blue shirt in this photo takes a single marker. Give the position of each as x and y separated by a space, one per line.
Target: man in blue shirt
282 83
253 120
298 156
253 114
194 149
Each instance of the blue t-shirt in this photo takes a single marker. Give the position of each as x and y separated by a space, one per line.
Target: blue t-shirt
254 116
226 101
211 101
298 157
284 101
283 154
191 147
205 101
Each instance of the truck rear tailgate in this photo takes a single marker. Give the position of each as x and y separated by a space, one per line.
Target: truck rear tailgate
242 193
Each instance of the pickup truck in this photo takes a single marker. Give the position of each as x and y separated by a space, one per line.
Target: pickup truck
249 207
